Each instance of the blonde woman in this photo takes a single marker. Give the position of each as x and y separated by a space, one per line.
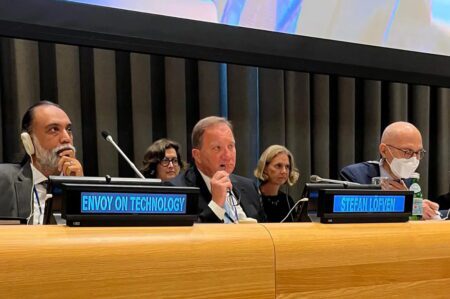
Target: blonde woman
276 167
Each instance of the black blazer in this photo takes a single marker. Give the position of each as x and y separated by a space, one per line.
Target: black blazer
444 201
244 188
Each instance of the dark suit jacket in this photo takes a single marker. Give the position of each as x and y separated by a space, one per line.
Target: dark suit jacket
364 172
444 201
15 185
244 188
361 172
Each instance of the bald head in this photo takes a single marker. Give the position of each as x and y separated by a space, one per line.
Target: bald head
399 136
401 132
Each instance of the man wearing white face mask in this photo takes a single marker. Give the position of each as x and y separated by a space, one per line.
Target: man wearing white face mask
401 150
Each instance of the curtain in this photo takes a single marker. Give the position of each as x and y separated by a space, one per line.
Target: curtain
326 120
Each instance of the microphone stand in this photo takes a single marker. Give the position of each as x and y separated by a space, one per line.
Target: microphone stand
108 138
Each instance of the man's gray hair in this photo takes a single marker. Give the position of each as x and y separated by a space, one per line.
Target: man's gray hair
203 124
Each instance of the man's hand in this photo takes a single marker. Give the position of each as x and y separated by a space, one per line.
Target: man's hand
220 183
430 209
68 165
393 185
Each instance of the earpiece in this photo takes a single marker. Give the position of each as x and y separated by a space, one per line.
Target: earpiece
27 143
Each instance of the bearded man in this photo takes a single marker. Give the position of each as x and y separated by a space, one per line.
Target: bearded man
48 141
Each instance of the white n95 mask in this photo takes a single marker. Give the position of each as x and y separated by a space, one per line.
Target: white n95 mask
404 168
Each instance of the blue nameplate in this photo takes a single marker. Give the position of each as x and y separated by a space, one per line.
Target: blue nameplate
369 204
132 203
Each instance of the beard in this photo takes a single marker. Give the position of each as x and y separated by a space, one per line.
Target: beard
49 158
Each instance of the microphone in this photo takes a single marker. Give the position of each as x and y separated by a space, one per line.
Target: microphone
317 179
229 192
108 138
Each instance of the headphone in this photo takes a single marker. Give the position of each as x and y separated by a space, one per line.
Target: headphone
29 148
27 143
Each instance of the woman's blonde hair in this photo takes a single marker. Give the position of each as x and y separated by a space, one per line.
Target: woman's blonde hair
266 158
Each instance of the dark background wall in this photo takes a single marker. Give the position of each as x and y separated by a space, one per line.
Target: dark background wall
327 121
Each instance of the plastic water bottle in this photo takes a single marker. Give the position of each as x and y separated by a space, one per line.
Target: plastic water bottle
417 210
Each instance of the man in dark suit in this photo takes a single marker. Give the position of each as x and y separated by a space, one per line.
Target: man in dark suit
48 141
361 172
224 197
401 150
444 201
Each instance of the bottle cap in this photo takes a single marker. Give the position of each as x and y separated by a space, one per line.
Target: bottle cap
415 175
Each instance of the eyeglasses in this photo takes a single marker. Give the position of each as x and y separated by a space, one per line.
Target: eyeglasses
166 161
234 196
408 153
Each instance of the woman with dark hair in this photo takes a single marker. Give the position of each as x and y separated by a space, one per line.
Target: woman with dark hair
162 160
276 167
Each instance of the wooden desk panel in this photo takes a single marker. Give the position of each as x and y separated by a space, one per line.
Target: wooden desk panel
204 261
304 260
362 260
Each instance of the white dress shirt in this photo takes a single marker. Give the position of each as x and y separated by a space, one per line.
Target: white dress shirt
383 172
218 210
39 195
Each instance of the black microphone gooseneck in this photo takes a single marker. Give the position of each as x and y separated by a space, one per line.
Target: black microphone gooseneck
108 138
